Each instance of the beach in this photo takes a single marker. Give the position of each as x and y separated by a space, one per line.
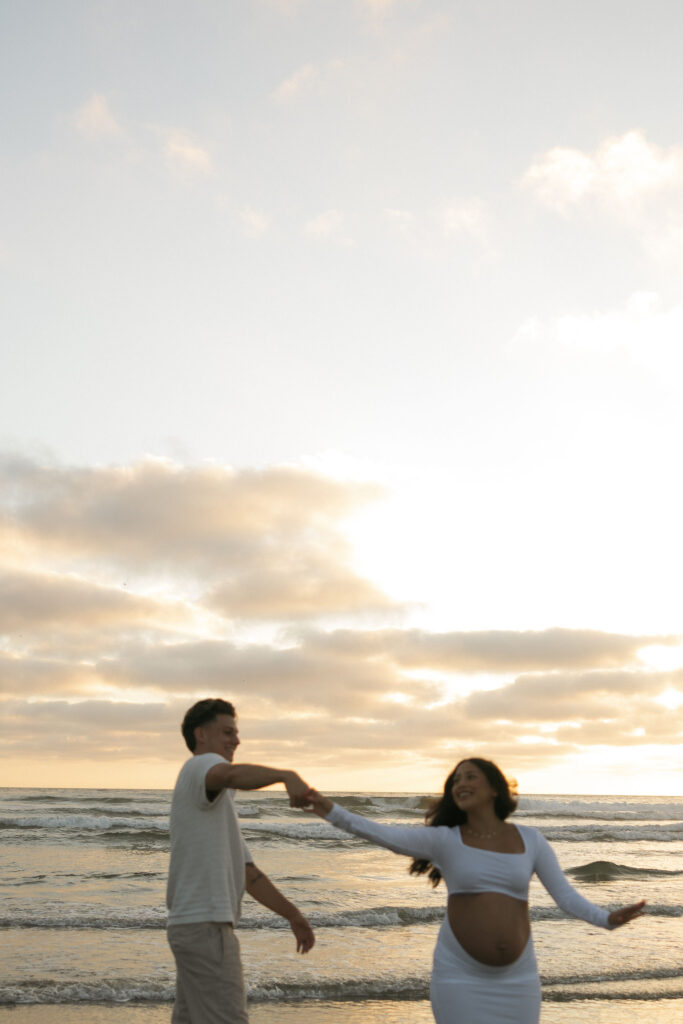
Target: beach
84 942
617 1012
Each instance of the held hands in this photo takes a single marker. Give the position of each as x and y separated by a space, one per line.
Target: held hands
297 789
317 803
625 914
303 795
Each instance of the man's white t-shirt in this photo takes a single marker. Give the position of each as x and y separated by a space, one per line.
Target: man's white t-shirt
208 854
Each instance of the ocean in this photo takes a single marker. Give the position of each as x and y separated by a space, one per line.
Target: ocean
83 877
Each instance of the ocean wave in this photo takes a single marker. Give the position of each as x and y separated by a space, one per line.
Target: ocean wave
52 991
57 992
370 918
85 823
606 871
289 829
275 831
616 976
408 804
73 877
379 917
89 796
352 989
602 993
79 921
138 829
374 918
672 832
652 910
600 810
597 809
60 810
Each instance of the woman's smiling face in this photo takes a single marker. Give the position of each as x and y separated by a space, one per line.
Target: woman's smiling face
471 789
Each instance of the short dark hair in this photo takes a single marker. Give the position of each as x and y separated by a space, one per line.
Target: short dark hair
202 712
444 811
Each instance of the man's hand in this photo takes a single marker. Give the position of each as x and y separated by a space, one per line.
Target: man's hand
297 789
625 914
303 933
260 887
317 803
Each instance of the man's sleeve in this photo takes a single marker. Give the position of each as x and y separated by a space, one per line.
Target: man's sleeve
200 766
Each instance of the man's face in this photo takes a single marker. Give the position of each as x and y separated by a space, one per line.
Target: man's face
218 737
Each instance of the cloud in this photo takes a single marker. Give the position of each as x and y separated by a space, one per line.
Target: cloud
379 7
404 222
623 170
643 330
328 226
96 729
31 601
299 586
565 696
296 84
95 120
308 80
253 542
255 224
469 217
284 678
113 730
490 651
129 592
286 8
606 708
24 674
56 618
186 156
292 711
459 221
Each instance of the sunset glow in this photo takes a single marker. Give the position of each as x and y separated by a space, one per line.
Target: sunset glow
343 378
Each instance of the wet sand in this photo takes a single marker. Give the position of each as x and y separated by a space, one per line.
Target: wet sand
655 1011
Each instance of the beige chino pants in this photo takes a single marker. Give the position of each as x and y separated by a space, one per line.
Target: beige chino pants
209 985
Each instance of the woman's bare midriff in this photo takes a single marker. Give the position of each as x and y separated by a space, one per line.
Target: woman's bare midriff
492 927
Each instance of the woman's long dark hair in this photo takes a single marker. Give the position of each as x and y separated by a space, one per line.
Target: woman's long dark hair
444 811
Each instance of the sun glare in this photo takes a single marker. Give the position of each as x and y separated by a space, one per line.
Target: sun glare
661 657
671 699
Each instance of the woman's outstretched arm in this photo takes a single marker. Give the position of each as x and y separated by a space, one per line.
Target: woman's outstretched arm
565 895
412 841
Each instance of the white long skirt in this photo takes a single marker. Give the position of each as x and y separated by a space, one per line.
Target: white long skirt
465 991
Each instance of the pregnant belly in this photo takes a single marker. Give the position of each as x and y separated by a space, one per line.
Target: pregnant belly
492 927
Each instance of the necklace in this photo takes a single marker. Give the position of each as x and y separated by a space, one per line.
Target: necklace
482 835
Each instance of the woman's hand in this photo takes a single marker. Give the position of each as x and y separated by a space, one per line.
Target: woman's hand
625 914
318 804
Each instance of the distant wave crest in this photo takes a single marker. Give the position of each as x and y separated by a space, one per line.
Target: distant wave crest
408 987
606 871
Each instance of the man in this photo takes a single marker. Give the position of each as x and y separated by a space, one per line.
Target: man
211 866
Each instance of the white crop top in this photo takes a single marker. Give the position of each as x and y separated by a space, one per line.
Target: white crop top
466 869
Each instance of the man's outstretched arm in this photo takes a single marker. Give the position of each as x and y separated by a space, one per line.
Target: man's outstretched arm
256 776
262 889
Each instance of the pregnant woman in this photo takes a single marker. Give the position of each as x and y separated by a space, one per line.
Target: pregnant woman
484 967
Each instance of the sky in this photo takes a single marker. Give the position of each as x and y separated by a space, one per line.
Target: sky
342 377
